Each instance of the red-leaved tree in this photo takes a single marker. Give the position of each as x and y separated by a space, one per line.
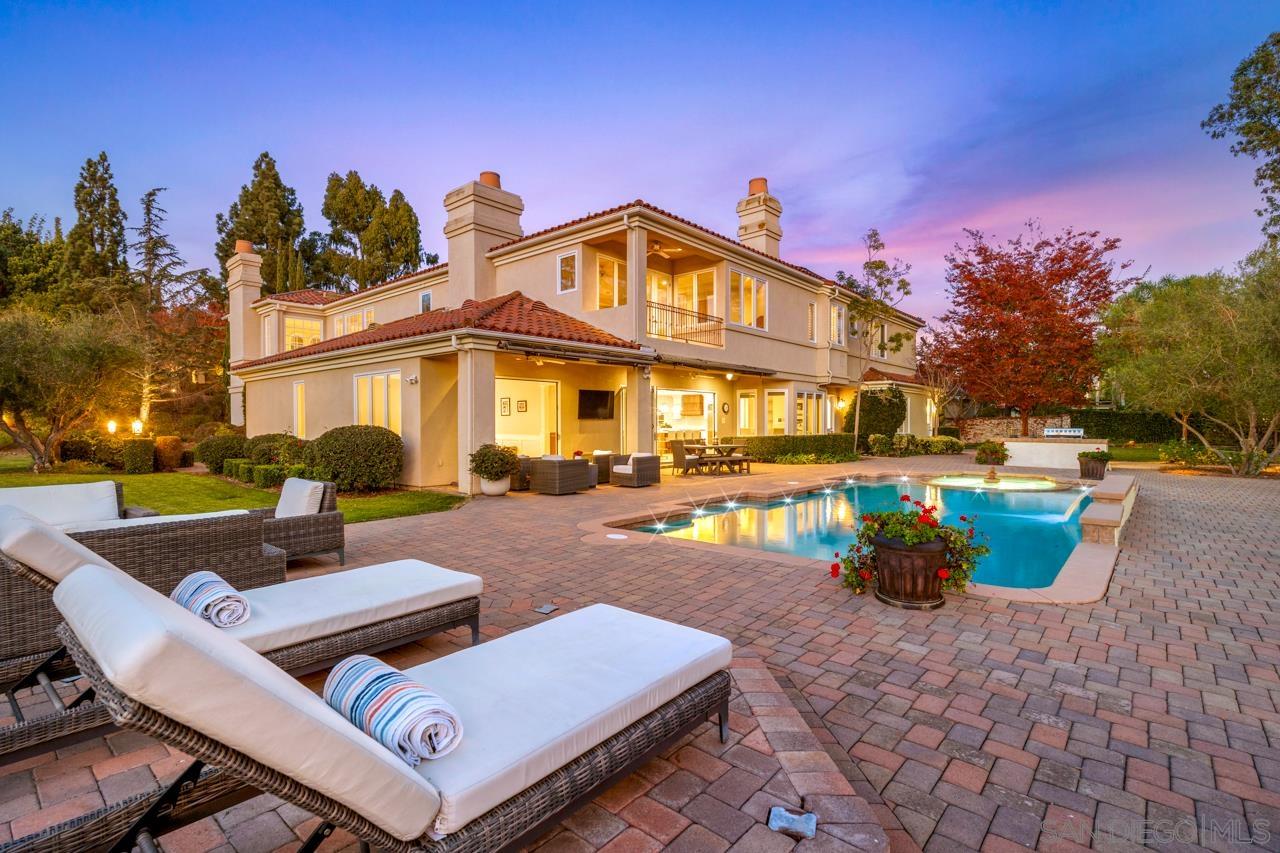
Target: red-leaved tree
1024 315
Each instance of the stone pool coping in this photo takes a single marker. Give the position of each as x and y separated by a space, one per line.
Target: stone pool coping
1083 578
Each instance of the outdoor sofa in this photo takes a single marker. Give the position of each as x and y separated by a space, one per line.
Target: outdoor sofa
638 469
553 715
302 626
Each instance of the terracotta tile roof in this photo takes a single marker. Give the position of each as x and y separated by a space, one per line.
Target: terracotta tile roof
512 313
641 203
875 374
312 296
301 297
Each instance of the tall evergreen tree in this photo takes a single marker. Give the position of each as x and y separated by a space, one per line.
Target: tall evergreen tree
370 238
96 250
266 213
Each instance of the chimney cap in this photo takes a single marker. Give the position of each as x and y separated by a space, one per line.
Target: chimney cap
244 247
758 186
491 179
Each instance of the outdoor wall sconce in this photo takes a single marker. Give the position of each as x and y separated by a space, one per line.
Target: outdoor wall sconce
412 380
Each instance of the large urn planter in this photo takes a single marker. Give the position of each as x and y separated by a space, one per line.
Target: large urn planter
907 575
495 488
1093 469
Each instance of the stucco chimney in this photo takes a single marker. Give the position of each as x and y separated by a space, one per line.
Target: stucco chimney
244 287
759 218
481 215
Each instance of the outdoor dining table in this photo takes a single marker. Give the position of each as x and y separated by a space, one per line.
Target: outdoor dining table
715 452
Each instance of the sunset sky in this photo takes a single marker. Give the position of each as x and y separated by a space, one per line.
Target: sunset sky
920 119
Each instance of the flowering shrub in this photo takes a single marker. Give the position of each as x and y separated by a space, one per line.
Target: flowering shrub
1097 453
992 453
914 526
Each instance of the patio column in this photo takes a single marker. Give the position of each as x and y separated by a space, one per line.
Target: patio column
475 410
639 410
637 271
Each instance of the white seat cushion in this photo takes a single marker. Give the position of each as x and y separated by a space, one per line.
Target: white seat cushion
553 457
166 657
623 469
309 608
118 523
67 503
43 547
534 700
299 497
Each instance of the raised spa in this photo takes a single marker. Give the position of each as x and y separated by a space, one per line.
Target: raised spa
1031 533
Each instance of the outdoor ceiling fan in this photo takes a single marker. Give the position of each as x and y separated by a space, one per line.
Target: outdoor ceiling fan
656 248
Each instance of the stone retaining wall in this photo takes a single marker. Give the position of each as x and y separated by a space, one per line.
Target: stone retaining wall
981 429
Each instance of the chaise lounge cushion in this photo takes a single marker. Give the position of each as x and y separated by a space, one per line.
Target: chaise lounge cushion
115 523
42 547
534 700
309 608
66 503
299 497
171 660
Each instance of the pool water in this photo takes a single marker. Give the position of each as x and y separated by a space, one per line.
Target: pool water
1031 534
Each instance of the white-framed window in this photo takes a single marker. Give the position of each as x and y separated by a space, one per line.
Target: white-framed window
748 300
696 291
377 399
269 335
424 301
355 321
567 272
301 332
881 337
300 409
611 282
837 324
809 412
811 322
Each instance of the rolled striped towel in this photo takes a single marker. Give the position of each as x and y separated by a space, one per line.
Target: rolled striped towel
210 597
393 709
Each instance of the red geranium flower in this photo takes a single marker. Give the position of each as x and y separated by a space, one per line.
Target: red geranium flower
905 498
962 518
865 575
970 533
835 570
944 574
866 517
837 555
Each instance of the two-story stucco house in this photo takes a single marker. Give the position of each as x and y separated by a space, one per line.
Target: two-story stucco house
621 330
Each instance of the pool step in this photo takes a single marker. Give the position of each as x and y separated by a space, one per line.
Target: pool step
1103 521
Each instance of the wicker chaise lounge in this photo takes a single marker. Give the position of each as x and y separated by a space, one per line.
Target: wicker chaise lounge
301 626
553 714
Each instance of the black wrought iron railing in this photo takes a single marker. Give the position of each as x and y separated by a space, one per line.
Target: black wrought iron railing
681 324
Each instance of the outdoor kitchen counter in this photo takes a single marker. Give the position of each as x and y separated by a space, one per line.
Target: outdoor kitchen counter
1049 452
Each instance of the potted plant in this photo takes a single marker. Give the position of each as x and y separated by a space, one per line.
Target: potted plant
1093 463
910 556
494 466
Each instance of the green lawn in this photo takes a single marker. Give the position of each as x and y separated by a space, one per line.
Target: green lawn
170 494
1137 453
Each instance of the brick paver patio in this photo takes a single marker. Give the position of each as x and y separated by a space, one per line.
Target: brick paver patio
1145 719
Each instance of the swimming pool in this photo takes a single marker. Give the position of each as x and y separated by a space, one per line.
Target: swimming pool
1031 534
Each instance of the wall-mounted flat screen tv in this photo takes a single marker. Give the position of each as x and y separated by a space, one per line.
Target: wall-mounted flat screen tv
595 405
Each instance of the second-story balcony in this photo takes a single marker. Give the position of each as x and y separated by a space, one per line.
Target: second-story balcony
681 324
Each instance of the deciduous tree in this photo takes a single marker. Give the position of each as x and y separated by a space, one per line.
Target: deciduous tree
1251 119
1206 348
1024 316
940 378
268 214
880 287
54 373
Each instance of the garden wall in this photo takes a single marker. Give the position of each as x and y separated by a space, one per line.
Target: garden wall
981 429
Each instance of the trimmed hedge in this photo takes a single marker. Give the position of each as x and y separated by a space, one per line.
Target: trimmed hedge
244 473
168 452
911 445
838 447
275 448
299 471
951 431
231 467
209 430
268 476
102 448
216 450
357 458
139 456
1125 425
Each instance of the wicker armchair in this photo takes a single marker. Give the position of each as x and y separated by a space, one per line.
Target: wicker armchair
559 476
158 554
643 470
308 535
